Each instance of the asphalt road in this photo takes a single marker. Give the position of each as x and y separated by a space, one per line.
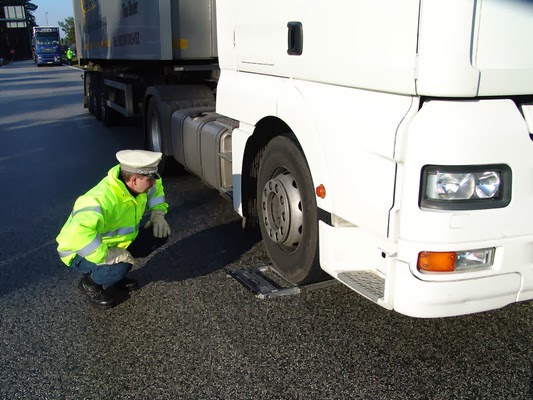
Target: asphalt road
192 332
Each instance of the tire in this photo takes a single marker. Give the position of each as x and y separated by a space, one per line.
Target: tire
89 90
287 212
97 95
94 97
155 140
108 116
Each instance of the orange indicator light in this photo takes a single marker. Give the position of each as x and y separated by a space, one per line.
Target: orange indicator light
436 261
321 191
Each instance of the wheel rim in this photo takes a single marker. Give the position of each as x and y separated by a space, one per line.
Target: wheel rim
282 210
155 133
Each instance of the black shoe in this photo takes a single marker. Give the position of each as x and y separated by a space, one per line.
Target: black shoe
127 284
96 293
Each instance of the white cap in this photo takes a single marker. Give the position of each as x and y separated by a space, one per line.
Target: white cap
142 162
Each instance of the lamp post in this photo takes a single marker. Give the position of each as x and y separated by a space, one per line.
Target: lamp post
46 15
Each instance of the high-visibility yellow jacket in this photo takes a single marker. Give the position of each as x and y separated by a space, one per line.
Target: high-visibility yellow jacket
106 216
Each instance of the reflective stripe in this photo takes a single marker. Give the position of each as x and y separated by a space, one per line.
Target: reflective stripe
155 201
151 192
97 242
65 253
95 209
120 231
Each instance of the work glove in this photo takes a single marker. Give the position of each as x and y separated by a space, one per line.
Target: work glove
117 255
160 226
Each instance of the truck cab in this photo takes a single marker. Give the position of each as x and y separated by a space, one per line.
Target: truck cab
46 45
384 143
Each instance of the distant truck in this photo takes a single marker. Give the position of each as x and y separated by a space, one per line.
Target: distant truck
46 45
387 143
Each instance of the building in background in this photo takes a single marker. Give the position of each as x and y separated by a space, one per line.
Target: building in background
15 33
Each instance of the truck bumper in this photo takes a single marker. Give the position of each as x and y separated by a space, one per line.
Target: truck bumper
348 251
418 298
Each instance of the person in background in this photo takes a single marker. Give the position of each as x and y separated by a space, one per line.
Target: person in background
96 238
69 56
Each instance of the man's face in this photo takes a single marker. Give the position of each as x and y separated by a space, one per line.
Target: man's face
141 183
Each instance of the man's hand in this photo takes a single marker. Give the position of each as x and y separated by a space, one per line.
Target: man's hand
157 220
117 255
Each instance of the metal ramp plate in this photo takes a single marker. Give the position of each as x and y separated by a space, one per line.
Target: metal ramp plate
365 282
264 287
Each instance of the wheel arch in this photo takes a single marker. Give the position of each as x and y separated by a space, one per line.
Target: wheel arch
265 130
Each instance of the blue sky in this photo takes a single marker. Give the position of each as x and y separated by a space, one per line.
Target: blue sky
57 10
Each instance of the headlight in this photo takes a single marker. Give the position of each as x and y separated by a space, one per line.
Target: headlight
465 187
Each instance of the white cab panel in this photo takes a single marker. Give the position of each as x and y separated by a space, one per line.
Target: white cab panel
470 48
504 47
356 43
348 137
444 49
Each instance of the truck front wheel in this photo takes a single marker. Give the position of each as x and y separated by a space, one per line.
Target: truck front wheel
288 213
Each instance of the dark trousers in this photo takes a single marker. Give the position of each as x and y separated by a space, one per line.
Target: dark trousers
105 274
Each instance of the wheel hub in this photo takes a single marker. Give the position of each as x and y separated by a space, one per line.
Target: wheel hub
282 210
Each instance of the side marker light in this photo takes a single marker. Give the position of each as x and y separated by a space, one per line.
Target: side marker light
321 191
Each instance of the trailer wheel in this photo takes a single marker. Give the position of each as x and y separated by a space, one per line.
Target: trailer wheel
287 212
154 139
94 94
108 116
97 95
89 91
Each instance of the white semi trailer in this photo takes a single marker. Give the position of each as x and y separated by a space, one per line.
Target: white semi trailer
387 143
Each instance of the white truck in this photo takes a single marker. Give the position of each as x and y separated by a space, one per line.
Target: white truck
386 143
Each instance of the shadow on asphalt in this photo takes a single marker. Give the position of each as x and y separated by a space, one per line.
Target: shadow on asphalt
200 254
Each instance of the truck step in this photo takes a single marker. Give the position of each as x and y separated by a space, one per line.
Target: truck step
227 192
265 287
368 283
226 155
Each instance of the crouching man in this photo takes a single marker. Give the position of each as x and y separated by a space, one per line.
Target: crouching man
105 222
